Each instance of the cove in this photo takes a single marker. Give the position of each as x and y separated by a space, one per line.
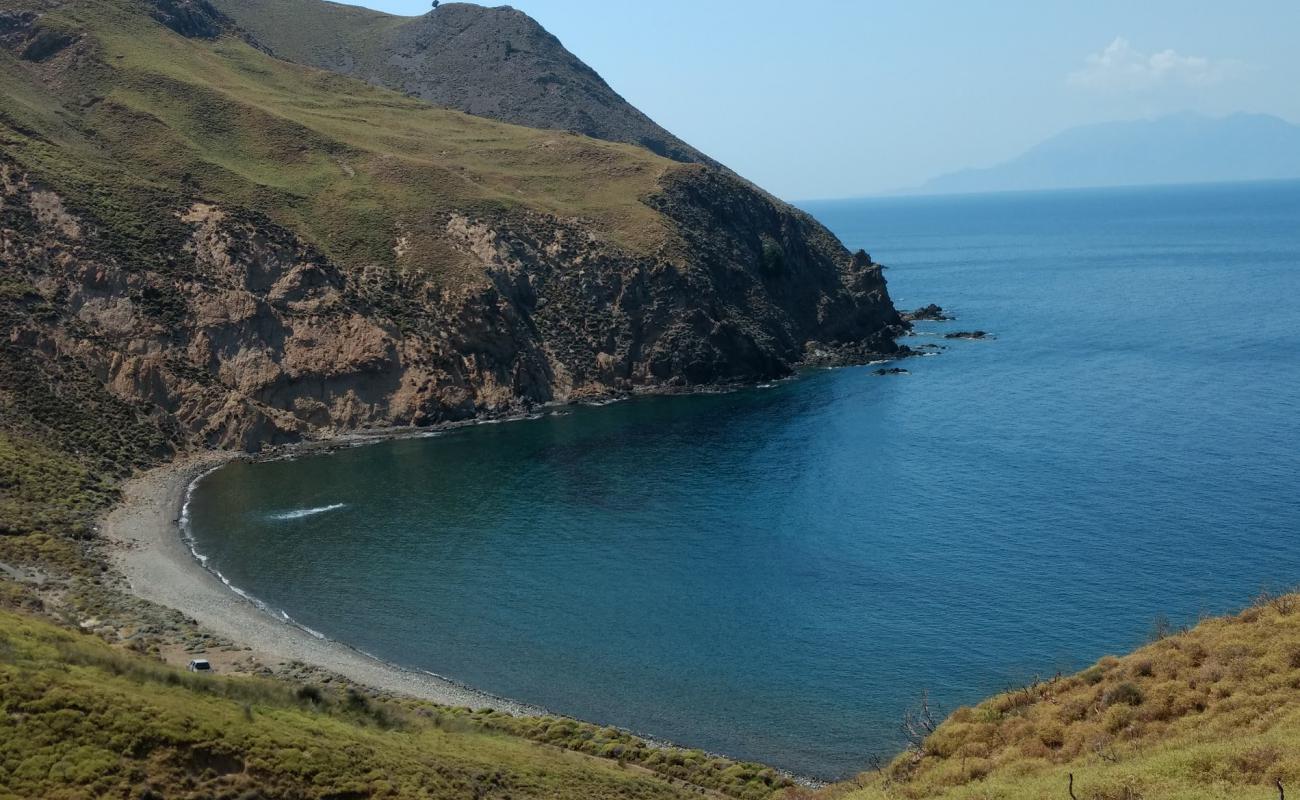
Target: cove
777 573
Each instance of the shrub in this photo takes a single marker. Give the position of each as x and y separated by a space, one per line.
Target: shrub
773 257
1093 675
1122 694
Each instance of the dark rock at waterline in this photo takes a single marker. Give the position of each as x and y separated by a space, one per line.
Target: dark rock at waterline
968 335
891 371
930 313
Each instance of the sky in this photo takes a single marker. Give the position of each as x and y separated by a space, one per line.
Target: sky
843 98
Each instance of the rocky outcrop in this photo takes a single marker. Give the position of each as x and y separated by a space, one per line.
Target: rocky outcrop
251 337
191 18
929 313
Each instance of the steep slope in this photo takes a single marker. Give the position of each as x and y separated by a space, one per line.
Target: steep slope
1182 148
491 62
256 251
1206 714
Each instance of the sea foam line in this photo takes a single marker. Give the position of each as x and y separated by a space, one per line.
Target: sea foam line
306 512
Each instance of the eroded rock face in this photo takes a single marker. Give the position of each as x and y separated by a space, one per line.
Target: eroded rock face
252 337
196 19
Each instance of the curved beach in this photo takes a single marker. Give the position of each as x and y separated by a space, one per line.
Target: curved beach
158 565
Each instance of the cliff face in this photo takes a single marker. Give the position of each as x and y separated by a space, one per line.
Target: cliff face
259 339
491 62
232 250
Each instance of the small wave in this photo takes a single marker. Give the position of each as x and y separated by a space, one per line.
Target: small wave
609 401
306 512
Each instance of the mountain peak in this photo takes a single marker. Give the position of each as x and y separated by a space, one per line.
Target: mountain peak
494 62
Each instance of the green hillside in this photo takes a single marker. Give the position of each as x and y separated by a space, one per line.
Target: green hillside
345 164
84 720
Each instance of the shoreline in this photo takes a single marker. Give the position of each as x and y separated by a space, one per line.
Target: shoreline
148 548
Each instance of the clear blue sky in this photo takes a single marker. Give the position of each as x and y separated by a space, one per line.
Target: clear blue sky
830 98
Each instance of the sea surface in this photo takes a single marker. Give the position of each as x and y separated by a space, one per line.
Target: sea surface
778 573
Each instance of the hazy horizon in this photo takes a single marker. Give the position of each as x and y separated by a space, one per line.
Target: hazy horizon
837 99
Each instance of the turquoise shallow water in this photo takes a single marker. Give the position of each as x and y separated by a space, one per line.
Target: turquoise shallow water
777 573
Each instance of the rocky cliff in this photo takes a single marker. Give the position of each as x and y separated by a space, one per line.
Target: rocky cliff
261 339
254 272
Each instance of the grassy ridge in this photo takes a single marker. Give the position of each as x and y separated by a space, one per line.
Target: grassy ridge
347 165
1211 713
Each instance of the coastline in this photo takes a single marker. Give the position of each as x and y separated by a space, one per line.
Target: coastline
147 548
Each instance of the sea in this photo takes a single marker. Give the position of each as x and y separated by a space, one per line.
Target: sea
779 573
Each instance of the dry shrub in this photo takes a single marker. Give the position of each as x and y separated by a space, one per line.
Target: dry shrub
1293 655
1118 718
1052 735
1122 694
1127 787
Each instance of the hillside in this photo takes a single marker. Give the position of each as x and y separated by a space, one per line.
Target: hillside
491 62
88 720
246 251
1182 148
1208 714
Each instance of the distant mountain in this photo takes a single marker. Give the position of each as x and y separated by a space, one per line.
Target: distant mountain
1182 148
490 62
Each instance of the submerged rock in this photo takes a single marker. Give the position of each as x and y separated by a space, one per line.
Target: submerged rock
891 371
968 335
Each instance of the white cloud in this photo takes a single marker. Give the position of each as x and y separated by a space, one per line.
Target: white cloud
1122 67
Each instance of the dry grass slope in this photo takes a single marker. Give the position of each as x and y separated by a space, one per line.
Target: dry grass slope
1210 713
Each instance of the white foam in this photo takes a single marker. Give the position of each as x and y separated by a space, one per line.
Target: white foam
306 512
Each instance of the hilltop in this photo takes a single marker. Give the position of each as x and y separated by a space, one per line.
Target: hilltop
491 62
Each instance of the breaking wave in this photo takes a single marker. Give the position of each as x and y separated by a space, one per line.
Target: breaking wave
306 512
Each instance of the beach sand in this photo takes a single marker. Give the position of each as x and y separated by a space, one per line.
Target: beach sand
148 550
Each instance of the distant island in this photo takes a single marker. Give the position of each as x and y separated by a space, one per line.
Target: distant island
1180 148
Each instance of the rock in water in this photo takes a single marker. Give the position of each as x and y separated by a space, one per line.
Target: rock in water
931 313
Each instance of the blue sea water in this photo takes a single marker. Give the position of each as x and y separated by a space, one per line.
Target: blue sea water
778 573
